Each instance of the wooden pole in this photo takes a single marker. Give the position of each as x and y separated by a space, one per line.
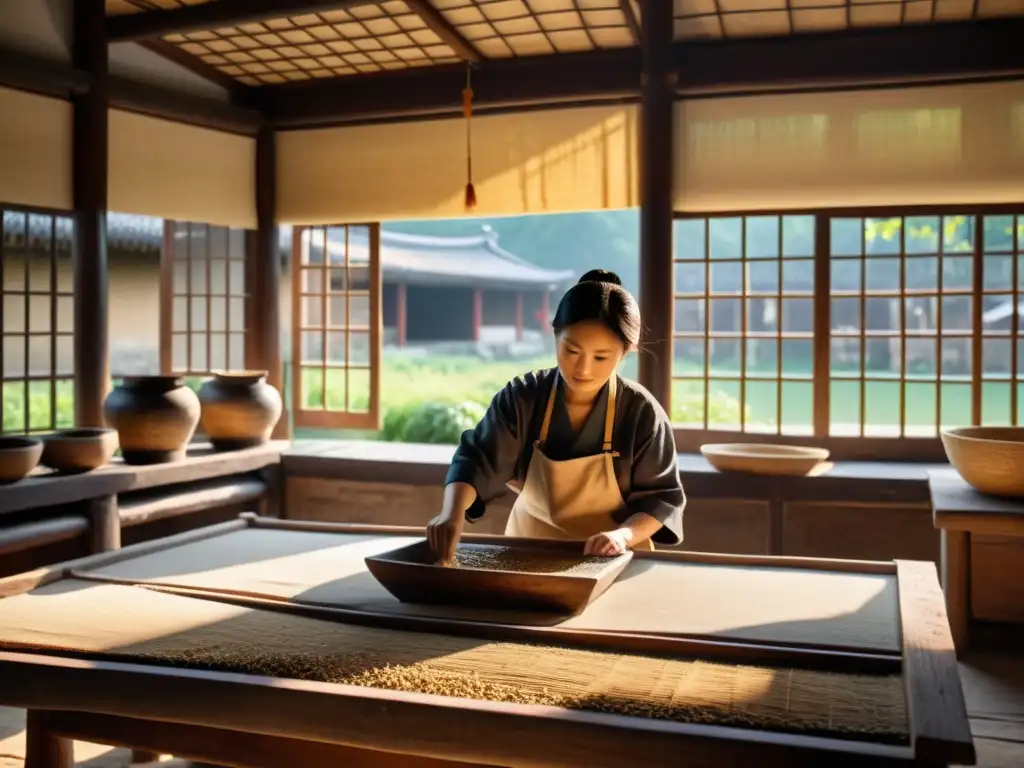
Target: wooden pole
656 172
519 316
478 313
401 319
266 289
89 182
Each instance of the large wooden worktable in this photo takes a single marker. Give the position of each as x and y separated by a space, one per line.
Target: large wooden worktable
81 647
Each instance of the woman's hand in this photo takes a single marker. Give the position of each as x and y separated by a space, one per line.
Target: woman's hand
609 543
445 530
443 533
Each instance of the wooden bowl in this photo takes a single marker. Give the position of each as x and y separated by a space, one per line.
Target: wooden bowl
991 459
79 450
763 458
18 457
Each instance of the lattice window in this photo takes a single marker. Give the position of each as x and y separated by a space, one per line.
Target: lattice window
1002 348
901 324
888 326
37 313
203 312
744 323
336 326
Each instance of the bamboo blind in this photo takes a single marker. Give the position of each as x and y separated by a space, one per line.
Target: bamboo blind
560 160
35 151
181 172
952 144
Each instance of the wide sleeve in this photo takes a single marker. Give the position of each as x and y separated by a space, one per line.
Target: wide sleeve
656 488
487 454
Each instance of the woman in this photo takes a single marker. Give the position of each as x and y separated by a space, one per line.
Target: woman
590 454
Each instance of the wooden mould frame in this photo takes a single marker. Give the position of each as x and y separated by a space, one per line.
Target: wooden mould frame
91 698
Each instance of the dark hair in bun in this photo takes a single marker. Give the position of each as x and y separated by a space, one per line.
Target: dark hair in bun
599 295
601 276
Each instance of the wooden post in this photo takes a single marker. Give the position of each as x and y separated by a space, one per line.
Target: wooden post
265 292
89 183
478 313
545 307
44 748
104 525
401 318
656 205
519 316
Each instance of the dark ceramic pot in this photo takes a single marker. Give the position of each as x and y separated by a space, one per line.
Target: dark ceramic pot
239 409
155 418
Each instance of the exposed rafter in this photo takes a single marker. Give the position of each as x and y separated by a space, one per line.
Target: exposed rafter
192 63
832 61
222 13
439 25
634 23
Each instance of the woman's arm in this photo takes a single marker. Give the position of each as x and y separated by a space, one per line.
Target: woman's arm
487 454
656 500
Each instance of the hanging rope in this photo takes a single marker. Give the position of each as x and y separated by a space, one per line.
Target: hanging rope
467 110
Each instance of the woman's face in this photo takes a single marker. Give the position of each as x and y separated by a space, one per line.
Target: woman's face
587 356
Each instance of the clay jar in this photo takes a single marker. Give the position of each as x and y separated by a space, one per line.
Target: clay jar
155 418
240 409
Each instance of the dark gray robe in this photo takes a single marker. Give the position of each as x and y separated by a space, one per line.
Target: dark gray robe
500 447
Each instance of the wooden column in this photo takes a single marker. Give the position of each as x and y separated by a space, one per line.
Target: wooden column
401 316
656 164
265 292
545 308
478 313
519 316
89 174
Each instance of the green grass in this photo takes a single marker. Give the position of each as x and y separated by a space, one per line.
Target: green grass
407 381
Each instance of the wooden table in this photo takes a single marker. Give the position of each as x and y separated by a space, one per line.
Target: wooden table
960 512
769 623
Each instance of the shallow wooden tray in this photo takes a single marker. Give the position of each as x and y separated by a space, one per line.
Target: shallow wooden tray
411 575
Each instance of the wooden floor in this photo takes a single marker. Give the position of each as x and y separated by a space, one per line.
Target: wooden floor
993 679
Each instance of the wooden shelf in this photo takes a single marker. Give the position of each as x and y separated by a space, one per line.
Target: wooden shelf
48 489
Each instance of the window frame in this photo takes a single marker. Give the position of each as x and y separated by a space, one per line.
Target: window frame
168 295
323 418
854 448
54 293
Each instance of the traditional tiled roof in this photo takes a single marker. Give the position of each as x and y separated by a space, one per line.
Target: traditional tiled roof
416 259
470 261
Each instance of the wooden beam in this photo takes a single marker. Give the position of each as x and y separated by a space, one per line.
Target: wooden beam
631 19
30 73
144 98
37 75
657 142
89 183
440 26
194 64
223 13
438 91
832 61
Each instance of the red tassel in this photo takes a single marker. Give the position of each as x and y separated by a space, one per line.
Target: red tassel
470 197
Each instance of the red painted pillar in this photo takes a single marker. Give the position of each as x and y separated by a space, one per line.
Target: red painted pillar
519 315
478 313
545 308
400 316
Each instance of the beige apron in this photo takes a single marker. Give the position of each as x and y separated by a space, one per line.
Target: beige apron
571 499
